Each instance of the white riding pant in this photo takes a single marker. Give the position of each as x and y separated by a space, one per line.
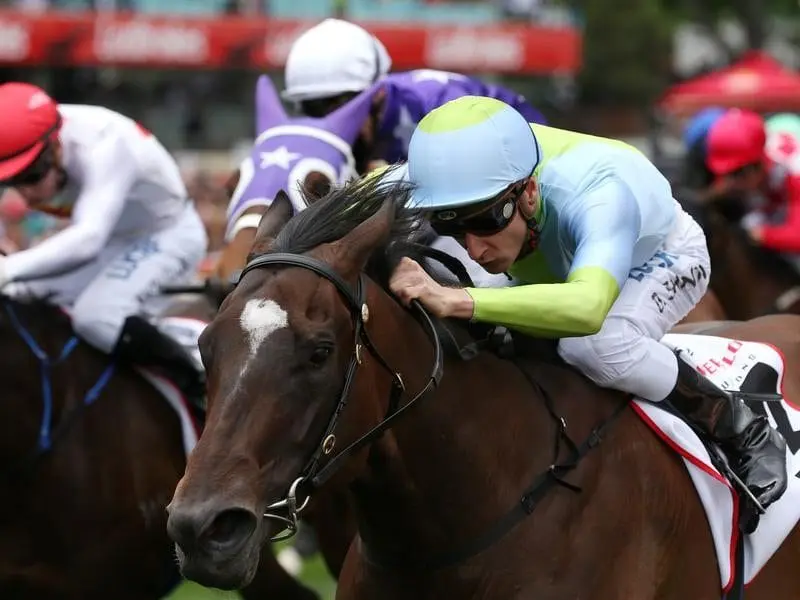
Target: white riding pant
626 354
124 279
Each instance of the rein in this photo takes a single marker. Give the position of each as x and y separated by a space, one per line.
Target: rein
313 475
48 433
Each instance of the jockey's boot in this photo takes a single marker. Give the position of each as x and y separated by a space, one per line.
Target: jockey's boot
756 452
142 343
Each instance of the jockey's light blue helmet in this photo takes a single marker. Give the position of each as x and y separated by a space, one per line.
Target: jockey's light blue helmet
467 150
697 128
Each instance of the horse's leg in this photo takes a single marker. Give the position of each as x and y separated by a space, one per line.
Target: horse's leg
271 581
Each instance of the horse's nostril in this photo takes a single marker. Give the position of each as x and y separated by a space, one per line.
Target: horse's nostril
230 528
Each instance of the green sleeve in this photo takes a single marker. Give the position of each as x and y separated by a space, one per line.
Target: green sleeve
575 308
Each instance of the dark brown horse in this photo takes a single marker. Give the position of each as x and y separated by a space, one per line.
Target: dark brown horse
708 309
307 355
89 457
748 280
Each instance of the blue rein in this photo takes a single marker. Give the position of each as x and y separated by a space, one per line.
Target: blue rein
45 441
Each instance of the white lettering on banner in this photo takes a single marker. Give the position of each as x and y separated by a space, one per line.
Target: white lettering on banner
14 41
141 42
470 49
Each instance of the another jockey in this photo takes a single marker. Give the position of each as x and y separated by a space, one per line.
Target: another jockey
604 258
335 60
132 226
744 161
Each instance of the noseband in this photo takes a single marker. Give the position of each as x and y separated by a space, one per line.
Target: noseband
314 474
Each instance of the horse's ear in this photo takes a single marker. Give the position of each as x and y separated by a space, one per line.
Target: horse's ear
274 219
354 249
316 186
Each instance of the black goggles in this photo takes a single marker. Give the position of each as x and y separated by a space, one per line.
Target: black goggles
486 218
36 171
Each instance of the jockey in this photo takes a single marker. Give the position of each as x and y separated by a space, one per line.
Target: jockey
743 159
132 226
335 60
604 258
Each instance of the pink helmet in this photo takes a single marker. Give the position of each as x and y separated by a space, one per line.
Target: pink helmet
28 118
735 140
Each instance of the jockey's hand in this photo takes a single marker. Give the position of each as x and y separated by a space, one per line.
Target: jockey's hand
411 282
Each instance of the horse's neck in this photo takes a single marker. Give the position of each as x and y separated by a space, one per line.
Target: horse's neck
464 456
743 268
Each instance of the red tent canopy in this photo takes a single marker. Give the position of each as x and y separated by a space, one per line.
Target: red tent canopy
757 81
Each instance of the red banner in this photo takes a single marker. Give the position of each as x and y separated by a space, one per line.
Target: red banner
147 41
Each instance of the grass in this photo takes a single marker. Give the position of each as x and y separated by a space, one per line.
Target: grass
314 574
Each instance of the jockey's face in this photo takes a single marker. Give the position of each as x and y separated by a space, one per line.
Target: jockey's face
497 252
747 180
52 180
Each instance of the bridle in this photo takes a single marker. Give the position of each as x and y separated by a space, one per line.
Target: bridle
315 473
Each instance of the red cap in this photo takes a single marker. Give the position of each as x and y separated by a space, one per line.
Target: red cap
735 140
27 117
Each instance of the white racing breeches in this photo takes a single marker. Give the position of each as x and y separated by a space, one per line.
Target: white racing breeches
626 354
127 274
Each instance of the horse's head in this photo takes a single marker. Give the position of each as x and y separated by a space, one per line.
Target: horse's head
281 357
303 156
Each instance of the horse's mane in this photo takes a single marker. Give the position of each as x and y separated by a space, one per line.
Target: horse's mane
344 208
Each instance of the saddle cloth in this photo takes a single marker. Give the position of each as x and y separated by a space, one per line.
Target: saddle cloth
727 363
186 331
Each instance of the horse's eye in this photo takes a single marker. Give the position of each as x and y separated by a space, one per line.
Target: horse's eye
320 355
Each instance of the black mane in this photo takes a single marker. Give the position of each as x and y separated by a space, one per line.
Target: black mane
332 217
345 207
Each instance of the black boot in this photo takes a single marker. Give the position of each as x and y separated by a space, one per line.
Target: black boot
143 344
756 452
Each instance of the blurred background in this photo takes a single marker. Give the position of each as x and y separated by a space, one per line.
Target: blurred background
186 68
632 69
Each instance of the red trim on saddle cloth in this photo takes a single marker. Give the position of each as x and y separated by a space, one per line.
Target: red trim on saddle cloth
709 470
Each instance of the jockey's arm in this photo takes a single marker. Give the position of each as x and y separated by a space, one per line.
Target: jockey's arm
786 236
605 228
110 174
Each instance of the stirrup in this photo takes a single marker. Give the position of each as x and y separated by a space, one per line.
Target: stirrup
750 509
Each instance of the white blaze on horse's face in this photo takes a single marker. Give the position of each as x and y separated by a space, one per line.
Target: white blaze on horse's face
260 319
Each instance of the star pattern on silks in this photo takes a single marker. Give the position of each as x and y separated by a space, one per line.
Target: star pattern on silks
280 157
